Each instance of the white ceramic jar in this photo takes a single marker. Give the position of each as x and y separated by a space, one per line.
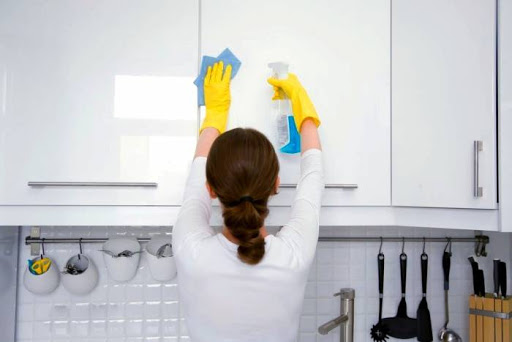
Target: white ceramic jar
85 277
122 268
162 268
44 283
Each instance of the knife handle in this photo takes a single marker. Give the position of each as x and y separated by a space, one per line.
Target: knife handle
481 283
475 282
496 276
446 270
503 275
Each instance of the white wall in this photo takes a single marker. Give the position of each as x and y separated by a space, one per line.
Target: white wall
145 310
8 269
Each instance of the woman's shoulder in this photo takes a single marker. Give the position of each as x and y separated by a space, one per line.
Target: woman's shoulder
282 253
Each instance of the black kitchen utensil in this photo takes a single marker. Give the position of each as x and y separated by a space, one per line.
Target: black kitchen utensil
472 261
474 269
401 326
424 323
496 277
379 331
446 334
503 278
481 283
475 282
446 269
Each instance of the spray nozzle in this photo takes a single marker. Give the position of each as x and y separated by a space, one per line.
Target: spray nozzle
279 70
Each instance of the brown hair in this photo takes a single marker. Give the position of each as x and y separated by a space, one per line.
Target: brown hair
242 169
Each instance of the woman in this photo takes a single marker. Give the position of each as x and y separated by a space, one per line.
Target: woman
244 284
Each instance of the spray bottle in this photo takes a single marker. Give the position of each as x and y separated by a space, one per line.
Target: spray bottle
288 137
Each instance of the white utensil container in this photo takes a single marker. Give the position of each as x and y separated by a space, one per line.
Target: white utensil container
122 269
164 268
42 283
83 283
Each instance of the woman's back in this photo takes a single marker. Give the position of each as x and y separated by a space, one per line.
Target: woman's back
244 284
225 299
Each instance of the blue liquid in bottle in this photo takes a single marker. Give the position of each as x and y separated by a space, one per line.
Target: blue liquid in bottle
288 136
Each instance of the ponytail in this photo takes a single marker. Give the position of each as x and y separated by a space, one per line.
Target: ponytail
242 169
244 221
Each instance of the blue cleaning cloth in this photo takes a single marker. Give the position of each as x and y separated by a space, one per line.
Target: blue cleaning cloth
227 57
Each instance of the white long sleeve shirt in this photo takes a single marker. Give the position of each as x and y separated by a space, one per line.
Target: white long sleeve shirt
225 299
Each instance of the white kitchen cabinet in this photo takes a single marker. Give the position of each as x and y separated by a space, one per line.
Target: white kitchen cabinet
340 51
505 114
443 100
97 91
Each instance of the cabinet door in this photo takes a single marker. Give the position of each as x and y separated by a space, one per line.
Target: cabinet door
505 115
97 91
443 100
340 51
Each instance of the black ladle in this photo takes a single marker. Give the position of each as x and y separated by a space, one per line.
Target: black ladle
446 334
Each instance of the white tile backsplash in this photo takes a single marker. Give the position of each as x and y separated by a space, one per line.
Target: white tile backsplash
146 310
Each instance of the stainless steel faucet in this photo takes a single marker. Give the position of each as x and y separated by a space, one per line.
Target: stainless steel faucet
346 318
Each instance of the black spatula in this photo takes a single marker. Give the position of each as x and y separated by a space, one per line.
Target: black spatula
424 323
379 332
401 326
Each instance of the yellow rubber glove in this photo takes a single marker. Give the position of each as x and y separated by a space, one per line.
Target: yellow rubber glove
301 104
217 97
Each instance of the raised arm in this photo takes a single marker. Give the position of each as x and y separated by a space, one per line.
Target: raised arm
205 141
309 136
301 232
194 217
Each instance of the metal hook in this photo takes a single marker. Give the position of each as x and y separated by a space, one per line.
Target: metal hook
80 245
381 242
480 246
483 252
423 245
403 244
42 247
477 248
449 243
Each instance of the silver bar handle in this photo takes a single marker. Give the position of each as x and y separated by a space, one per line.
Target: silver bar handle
477 147
95 184
327 186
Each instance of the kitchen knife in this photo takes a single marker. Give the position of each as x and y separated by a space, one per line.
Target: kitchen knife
473 262
475 282
481 283
474 268
496 277
503 278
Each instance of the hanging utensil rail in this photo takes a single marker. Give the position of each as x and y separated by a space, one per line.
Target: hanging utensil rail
480 241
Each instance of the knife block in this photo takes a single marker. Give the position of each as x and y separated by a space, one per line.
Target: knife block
490 319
